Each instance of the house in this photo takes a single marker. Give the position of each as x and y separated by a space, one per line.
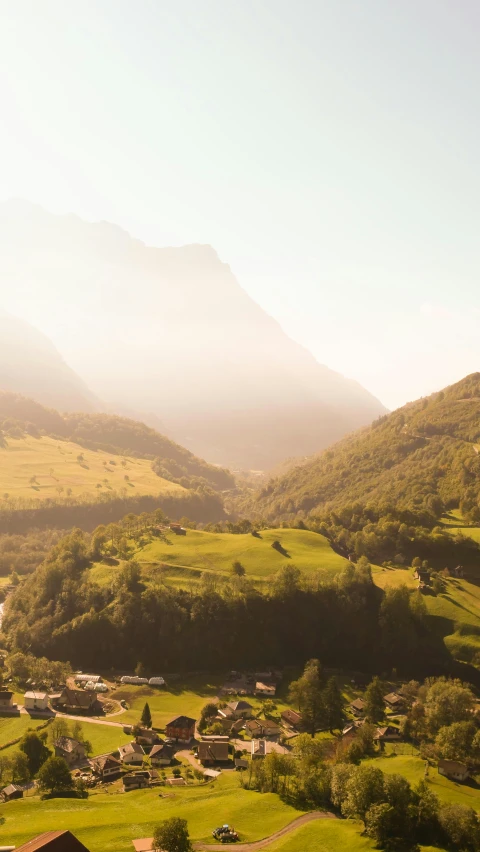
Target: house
178 529
135 781
394 702
387 734
358 707
77 700
6 698
181 728
258 748
176 782
35 701
239 709
53 841
145 736
71 750
268 689
13 791
105 766
422 574
454 770
131 753
211 753
229 726
161 755
262 728
292 718
241 763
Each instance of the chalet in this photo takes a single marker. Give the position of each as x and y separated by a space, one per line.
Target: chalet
71 750
135 781
53 841
77 700
262 728
387 734
105 766
454 770
229 726
6 698
240 709
351 729
13 791
181 728
394 702
358 707
211 753
131 753
35 701
268 689
161 755
145 736
292 719
178 529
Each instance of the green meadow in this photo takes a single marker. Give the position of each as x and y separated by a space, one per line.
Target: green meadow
413 769
13 727
38 468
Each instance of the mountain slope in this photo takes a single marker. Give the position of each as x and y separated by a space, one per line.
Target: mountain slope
422 456
170 331
30 365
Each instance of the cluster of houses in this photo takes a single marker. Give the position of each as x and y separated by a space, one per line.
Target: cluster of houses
262 683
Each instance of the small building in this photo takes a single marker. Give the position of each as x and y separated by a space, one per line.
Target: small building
358 707
422 574
161 755
146 736
13 791
79 701
182 729
262 728
35 701
6 698
131 753
394 702
454 769
268 689
387 734
71 750
178 529
105 766
239 709
211 753
176 782
241 763
135 781
87 678
258 748
292 719
53 841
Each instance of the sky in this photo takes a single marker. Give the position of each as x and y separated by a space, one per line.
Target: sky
327 149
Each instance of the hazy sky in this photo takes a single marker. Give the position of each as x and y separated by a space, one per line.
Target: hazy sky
328 150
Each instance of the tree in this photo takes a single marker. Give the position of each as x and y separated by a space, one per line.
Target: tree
172 836
334 705
35 751
140 670
54 776
447 701
146 718
77 732
307 693
364 788
381 823
238 569
59 728
19 768
455 742
461 827
374 704
209 711
427 807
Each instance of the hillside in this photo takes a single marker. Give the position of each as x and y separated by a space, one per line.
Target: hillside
30 365
170 331
423 456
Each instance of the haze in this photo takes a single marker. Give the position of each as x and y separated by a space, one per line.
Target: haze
328 151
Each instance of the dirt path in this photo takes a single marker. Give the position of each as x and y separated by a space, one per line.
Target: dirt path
260 844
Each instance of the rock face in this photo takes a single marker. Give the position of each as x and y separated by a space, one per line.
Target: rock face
170 331
30 365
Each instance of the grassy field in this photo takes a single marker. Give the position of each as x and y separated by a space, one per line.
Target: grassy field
327 835
56 468
413 769
12 727
109 821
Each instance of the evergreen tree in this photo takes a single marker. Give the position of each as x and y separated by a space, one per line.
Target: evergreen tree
374 704
307 693
146 718
334 705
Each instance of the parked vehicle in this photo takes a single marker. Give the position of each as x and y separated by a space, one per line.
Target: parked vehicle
225 834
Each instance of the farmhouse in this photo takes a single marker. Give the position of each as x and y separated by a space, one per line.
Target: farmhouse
13 791
53 841
358 707
135 781
77 700
211 753
265 689
292 718
145 736
181 728
161 755
6 698
387 734
35 701
239 710
453 769
105 766
131 753
394 702
262 728
178 529
71 750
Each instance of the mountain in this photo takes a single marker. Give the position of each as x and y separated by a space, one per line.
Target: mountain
170 331
30 365
424 456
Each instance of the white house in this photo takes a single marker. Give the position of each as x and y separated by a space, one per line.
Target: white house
131 753
35 700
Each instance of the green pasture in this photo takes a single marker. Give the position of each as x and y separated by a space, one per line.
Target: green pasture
324 835
109 821
12 727
38 468
413 769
